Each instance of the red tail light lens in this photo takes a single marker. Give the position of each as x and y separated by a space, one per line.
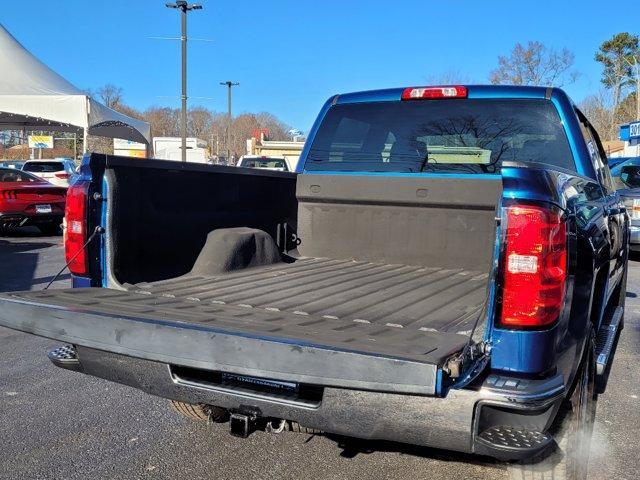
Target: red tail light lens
63 176
425 93
76 234
535 267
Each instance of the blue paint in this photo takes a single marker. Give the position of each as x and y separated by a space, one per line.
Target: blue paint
103 237
312 133
523 351
439 388
80 282
491 298
630 131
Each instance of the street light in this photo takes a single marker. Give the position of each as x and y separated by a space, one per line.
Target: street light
229 84
184 7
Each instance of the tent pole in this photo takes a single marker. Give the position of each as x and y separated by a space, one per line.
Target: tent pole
85 147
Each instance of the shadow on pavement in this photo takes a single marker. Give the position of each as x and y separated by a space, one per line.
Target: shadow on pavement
19 258
352 447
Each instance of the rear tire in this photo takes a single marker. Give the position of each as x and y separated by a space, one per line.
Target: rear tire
295 427
572 431
199 412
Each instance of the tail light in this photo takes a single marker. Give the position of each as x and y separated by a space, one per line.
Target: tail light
534 266
62 175
76 231
424 93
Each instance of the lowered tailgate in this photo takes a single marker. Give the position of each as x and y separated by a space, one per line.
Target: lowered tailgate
247 341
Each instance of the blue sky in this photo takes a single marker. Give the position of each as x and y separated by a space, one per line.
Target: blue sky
290 56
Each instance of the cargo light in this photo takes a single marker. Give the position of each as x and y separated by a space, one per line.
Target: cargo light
76 223
425 93
534 267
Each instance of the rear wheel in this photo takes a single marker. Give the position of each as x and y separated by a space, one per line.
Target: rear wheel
572 430
199 412
297 428
49 229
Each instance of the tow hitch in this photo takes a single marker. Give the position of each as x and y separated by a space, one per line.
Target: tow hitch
243 424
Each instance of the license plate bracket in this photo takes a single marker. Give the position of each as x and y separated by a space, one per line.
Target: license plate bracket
44 208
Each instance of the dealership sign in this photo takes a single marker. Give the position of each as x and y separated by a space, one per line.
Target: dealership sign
121 144
40 141
634 130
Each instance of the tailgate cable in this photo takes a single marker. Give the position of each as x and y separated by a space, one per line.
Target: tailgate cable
98 230
474 353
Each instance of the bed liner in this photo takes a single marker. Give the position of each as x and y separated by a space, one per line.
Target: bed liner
389 296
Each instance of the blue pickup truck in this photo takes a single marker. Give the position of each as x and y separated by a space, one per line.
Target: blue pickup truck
446 268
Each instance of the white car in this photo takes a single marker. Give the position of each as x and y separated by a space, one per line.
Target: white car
267 163
59 171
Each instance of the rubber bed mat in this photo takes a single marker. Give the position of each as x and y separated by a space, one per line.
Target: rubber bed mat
382 295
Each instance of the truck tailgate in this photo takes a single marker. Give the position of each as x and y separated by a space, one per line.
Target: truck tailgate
262 343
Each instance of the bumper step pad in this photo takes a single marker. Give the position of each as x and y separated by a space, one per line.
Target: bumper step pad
65 357
512 443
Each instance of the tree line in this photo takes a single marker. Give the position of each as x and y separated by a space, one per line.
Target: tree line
533 63
617 102
202 123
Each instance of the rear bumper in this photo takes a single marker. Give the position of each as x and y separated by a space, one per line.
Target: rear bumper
450 423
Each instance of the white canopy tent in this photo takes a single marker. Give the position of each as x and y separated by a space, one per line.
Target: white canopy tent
34 97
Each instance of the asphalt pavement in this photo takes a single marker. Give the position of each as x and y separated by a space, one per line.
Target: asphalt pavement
56 424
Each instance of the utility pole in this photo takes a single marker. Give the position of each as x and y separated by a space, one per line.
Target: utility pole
229 85
184 7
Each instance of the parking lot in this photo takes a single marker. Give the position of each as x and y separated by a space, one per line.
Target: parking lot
57 424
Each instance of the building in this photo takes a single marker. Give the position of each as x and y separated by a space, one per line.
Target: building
290 150
170 148
630 135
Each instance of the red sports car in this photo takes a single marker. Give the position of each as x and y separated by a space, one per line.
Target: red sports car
28 200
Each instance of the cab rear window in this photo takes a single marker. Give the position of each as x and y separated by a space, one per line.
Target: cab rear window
449 135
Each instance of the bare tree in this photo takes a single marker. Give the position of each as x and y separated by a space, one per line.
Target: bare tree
598 109
110 95
278 130
163 120
535 64
199 122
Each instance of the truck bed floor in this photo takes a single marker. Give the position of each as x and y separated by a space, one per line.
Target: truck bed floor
326 290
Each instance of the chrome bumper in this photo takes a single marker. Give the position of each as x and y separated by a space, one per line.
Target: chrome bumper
455 422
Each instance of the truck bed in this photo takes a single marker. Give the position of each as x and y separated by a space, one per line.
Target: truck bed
394 300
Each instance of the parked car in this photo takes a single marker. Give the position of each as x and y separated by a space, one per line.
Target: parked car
28 200
613 161
60 172
261 161
447 268
626 176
